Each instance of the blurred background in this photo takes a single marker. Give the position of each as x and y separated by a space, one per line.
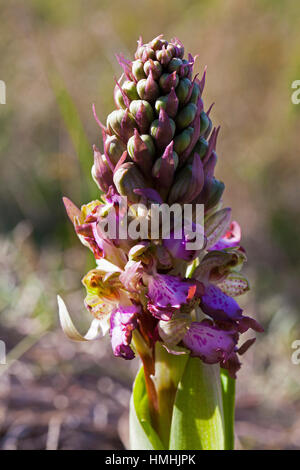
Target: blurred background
57 58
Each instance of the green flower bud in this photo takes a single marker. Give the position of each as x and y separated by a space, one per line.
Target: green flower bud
183 89
121 123
164 56
138 69
183 140
208 130
168 132
181 184
195 94
150 144
174 65
154 66
204 123
143 107
168 81
215 193
130 90
186 116
127 178
118 97
114 147
201 147
147 139
157 164
161 102
148 89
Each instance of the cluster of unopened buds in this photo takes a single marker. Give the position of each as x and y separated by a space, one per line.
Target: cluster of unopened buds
159 147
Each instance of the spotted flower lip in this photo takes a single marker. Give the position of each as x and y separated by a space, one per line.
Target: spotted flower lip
210 343
123 321
166 294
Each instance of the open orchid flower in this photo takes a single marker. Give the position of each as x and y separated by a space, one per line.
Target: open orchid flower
159 298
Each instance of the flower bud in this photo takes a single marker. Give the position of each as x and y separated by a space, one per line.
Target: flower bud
163 129
168 81
186 116
147 88
147 54
127 178
140 153
130 90
154 66
156 43
183 89
138 70
204 123
164 56
188 183
164 168
201 147
121 123
195 93
183 140
114 148
215 193
174 65
179 48
157 165
101 173
169 103
143 114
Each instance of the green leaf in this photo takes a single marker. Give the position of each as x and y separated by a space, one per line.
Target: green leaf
142 434
197 421
228 393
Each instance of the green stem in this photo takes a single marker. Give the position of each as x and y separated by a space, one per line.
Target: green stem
228 395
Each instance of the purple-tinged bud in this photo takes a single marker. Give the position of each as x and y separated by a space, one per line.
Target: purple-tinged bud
143 114
208 130
212 142
209 166
157 43
183 89
154 66
127 178
168 81
188 183
139 51
101 173
119 97
201 147
195 93
163 56
183 140
186 116
215 194
204 123
171 49
140 153
164 168
157 165
169 103
162 129
121 123
114 148
148 88
147 54
174 65
179 47
138 69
